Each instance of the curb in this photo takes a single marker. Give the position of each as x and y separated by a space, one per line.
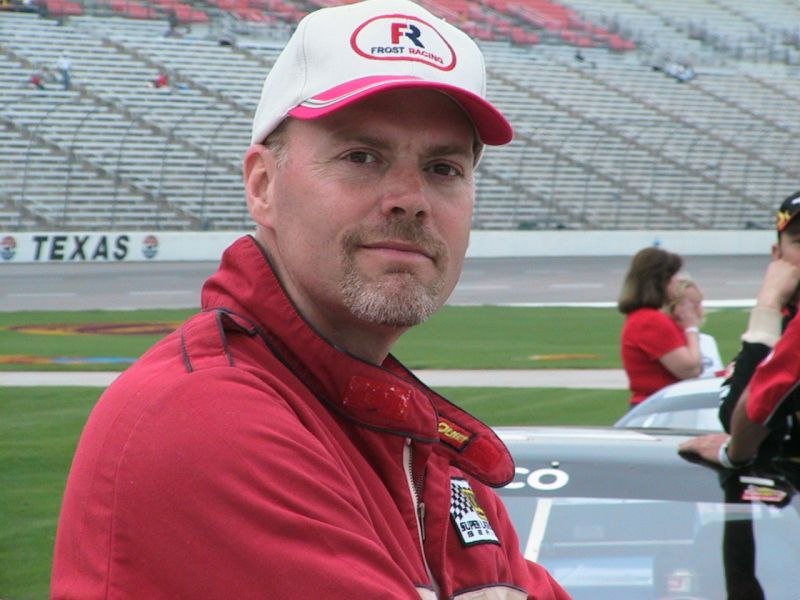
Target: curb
503 378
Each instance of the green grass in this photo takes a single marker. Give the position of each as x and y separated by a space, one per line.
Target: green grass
541 406
486 337
496 337
39 428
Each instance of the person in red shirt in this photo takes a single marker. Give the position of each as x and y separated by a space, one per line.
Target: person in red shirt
36 80
659 342
159 81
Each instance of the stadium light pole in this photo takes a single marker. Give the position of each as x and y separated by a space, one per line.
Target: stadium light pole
658 156
698 136
75 133
212 138
14 101
530 137
775 168
790 141
556 163
117 175
160 189
28 150
168 139
746 177
616 194
755 151
590 175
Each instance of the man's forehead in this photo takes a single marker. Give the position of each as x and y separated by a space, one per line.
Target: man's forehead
383 120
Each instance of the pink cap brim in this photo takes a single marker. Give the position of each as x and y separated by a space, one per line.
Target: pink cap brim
491 125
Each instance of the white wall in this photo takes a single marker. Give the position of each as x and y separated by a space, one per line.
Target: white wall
199 246
617 243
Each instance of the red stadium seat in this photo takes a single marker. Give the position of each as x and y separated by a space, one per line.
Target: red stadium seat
63 8
187 14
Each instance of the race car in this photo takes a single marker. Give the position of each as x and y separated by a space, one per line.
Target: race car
618 514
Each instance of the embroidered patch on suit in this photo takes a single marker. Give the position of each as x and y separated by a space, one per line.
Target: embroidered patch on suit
452 434
468 517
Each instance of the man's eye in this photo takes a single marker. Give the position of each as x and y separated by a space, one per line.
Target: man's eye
361 157
445 170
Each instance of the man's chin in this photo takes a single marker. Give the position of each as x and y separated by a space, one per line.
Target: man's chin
394 300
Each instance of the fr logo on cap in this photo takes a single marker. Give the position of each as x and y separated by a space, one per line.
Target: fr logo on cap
340 55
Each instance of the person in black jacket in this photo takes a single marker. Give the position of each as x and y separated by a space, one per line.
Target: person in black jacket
760 402
775 307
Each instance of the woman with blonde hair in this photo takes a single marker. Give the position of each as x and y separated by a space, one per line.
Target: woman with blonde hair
687 288
659 346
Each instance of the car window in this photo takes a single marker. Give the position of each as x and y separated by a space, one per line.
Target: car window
705 419
690 404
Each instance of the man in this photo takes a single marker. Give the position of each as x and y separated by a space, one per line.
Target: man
762 393
64 67
272 447
760 398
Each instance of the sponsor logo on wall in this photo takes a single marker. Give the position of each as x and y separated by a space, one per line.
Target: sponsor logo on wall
8 247
150 246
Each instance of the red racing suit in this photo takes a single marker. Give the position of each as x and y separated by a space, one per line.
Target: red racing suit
244 456
774 387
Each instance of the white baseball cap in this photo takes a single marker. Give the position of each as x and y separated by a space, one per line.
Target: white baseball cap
340 55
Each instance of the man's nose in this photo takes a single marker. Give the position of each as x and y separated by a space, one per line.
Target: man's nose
405 193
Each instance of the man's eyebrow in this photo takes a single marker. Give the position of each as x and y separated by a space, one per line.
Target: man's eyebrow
360 137
464 150
381 143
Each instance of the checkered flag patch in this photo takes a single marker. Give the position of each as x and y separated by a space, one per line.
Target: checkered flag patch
468 517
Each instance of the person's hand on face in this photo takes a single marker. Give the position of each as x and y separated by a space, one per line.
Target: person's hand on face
686 313
780 285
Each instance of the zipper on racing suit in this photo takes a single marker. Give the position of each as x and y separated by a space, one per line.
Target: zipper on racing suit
419 506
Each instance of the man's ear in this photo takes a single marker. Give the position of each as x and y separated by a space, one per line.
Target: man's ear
258 171
776 251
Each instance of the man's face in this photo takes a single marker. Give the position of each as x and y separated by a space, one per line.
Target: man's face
788 247
368 217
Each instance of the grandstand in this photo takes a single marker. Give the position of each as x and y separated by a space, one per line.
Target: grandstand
608 135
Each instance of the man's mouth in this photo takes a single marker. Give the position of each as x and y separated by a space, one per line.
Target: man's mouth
400 248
